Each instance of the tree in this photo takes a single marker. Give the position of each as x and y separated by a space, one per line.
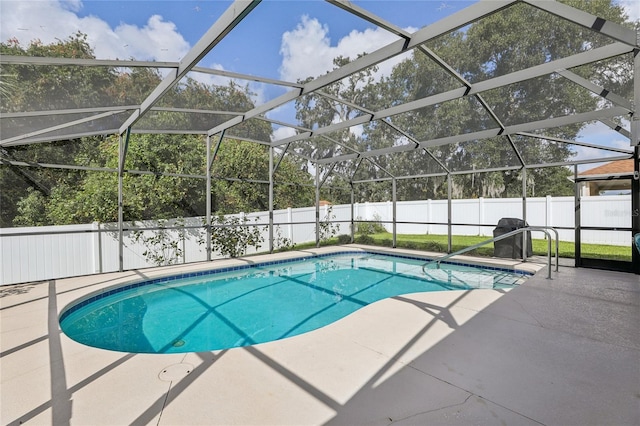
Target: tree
237 168
495 49
34 88
315 110
155 196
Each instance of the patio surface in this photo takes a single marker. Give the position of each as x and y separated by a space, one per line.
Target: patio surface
564 351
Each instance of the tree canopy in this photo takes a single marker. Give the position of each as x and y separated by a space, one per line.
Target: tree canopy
494 46
165 172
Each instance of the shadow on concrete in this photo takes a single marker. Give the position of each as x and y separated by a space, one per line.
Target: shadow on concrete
175 389
61 403
13 289
537 355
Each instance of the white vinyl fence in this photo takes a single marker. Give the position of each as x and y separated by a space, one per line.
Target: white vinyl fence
64 251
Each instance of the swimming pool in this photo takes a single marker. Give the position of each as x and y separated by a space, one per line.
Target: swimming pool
243 306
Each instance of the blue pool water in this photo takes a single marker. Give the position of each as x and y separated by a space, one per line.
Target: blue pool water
212 311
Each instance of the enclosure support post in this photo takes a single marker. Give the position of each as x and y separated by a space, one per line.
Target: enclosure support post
524 213
393 216
120 214
270 199
576 195
211 156
317 205
208 200
449 249
635 142
635 202
353 228
123 145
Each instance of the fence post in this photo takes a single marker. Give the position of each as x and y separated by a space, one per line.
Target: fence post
352 231
355 217
393 213
97 247
429 214
183 232
548 219
480 214
290 225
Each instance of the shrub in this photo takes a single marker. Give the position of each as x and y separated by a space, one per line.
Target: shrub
344 239
370 227
365 239
327 229
281 243
232 236
386 242
161 248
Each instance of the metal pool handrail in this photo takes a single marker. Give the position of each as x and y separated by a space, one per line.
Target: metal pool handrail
555 231
498 238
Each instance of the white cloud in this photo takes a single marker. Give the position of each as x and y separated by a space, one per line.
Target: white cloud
282 133
631 7
52 20
158 40
307 51
357 131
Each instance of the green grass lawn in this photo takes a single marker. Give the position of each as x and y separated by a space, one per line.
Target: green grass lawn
438 243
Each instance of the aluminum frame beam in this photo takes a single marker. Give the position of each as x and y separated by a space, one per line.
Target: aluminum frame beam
119 63
39 132
566 120
46 113
484 134
600 91
635 120
66 137
389 124
587 20
105 111
82 62
572 142
579 162
616 127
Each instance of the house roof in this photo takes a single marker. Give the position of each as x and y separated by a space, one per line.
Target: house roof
612 168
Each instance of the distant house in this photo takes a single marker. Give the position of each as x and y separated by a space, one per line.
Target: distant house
607 177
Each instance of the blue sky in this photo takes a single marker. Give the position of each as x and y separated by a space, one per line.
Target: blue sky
280 39
119 28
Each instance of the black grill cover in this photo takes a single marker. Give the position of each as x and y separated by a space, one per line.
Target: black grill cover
511 247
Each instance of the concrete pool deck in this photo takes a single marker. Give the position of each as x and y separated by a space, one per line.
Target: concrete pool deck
564 351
